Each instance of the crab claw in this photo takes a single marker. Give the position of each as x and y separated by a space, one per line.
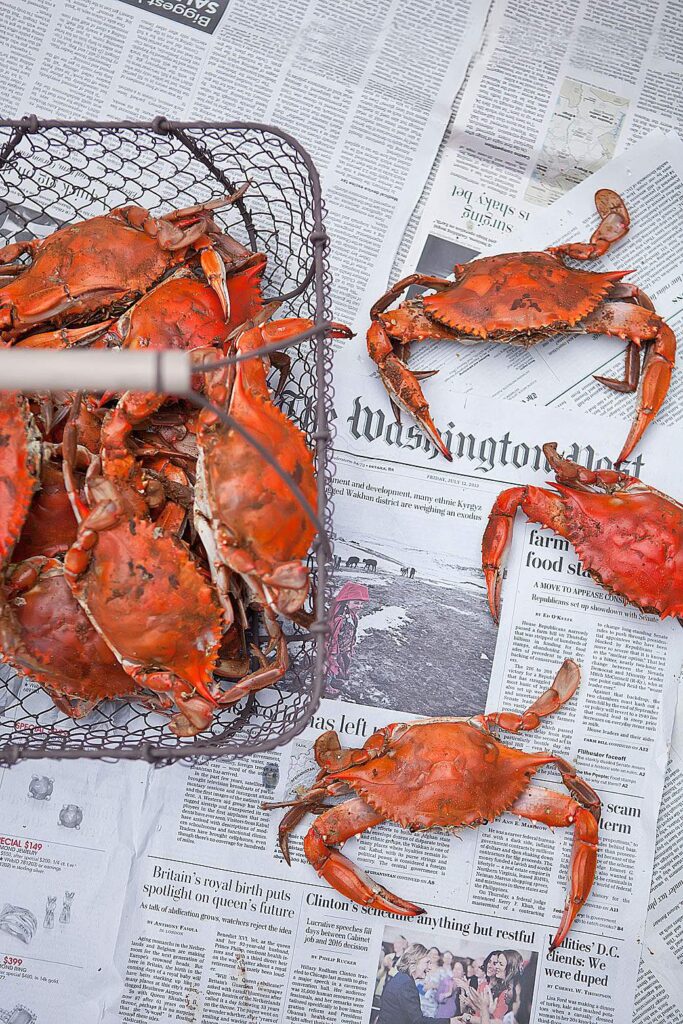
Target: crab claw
654 385
584 860
403 385
335 826
194 716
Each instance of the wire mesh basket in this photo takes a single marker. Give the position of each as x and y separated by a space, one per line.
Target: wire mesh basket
54 173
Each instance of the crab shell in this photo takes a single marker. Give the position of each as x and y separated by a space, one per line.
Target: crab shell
46 635
445 773
518 293
631 541
145 595
82 268
20 457
185 313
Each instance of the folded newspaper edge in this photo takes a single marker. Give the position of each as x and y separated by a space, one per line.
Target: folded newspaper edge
48 370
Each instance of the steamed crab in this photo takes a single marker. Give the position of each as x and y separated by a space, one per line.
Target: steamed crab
20 459
43 632
250 522
145 594
46 634
521 299
104 263
447 773
628 536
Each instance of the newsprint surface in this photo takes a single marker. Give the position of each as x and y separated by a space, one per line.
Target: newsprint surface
560 374
160 897
345 79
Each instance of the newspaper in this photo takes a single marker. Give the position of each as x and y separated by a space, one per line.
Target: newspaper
347 80
67 844
216 926
663 945
552 96
213 925
557 373
560 371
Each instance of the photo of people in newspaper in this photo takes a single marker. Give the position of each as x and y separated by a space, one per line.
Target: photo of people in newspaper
451 978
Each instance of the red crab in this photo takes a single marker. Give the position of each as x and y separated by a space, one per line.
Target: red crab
146 596
44 633
628 535
107 262
20 460
180 313
250 522
521 299
447 773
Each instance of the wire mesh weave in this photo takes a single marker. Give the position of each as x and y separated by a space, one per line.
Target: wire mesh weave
54 173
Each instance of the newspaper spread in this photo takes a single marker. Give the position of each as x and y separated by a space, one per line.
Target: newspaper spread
347 80
550 99
232 931
209 923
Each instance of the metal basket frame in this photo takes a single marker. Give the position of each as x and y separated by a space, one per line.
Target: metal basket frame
315 283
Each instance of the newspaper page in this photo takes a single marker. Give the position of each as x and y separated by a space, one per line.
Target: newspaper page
66 849
661 982
553 95
348 80
216 925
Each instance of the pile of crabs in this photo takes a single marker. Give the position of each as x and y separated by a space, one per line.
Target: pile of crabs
138 533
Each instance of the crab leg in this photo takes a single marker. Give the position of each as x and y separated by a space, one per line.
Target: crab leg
614 224
334 827
66 337
540 506
403 384
564 687
10 253
654 386
266 675
556 809
580 478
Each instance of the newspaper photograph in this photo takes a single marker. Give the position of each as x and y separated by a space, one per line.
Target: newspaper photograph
244 934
